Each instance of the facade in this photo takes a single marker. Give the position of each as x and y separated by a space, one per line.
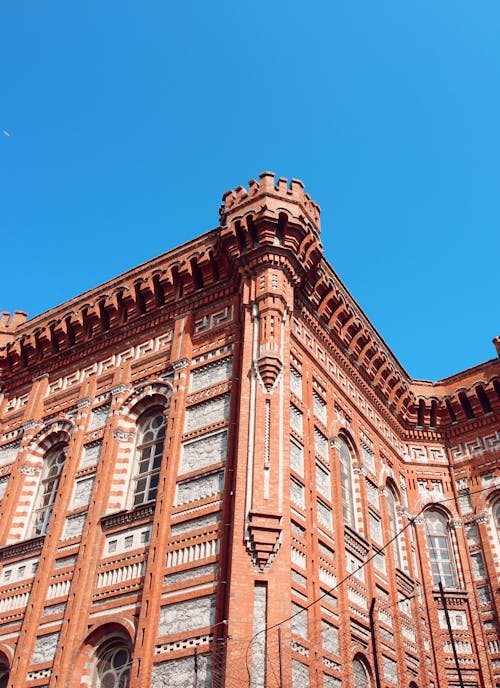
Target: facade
214 473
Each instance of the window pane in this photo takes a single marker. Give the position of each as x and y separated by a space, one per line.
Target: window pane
440 551
51 474
346 483
149 452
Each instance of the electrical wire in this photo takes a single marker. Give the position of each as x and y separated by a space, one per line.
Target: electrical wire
352 574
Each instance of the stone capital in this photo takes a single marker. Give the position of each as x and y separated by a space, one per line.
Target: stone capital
180 364
123 436
30 470
121 389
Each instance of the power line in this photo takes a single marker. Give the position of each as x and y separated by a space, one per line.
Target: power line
352 574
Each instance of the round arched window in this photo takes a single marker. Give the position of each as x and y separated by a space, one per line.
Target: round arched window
112 667
496 516
4 671
149 451
440 549
361 677
51 474
345 457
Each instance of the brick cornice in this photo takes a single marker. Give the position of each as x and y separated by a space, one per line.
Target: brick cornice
351 370
104 341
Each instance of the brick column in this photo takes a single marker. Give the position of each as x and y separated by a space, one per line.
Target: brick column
73 631
149 613
259 590
21 473
38 595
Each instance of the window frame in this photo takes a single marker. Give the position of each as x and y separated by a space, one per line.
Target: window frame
394 526
367 683
148 457
48 489
105 654
346 481
443 566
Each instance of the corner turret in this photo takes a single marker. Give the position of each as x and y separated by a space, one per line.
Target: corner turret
279 196
272 217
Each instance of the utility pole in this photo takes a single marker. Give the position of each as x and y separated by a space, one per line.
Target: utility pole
374 644
280 650
450 631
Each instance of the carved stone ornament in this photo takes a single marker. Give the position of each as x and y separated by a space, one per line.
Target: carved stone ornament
418 520
83 403
123 436
121 389
456 523
483 518
30 470
360 468
180 364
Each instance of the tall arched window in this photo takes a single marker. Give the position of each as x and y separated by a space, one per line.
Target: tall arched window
112 667
496 516
149 451
51 475
393 525
440 549
360 674
346 481
4 671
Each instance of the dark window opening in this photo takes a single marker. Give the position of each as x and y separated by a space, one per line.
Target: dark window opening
466 405
483 399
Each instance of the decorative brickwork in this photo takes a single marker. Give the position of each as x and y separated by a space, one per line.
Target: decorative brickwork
286 517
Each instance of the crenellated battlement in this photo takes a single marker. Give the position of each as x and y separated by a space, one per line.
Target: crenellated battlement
280 195
9 324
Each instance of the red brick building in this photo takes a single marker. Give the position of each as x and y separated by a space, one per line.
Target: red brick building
214 472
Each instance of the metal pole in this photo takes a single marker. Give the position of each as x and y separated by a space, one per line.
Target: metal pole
374 643
280 656
195 667
448 623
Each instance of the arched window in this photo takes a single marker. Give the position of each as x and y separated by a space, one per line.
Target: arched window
51 475
149 451
440 549
112 667
496 516
393 525
346 481
360 674
4 671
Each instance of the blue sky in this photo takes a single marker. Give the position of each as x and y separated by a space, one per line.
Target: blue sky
126 121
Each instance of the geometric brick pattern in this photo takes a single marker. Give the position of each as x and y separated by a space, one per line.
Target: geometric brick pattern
288 541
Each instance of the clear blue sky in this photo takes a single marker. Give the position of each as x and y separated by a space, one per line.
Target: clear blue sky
128 120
